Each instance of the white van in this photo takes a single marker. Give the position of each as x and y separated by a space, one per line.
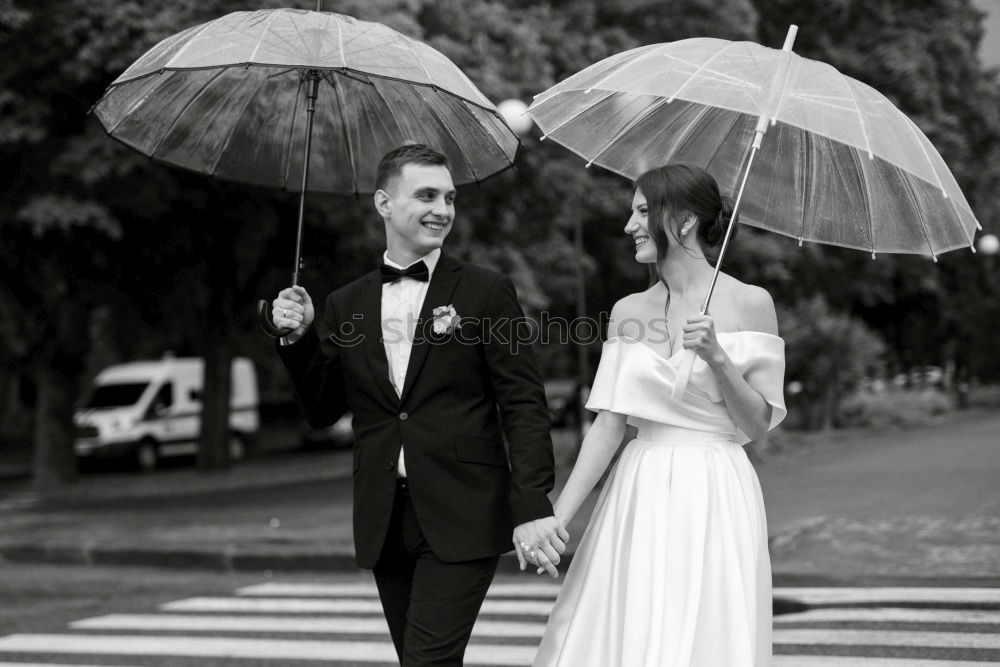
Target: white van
151 410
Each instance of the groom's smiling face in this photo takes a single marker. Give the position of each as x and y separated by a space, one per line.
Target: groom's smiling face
418 207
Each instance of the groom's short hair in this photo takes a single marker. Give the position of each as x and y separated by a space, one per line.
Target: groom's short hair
393 162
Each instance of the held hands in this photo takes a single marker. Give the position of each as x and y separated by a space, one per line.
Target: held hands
540 542
699 335
293 309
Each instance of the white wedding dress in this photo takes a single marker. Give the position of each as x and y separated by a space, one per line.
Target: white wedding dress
673 569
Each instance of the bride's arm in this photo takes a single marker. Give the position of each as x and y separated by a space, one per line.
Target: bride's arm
599 445
749 410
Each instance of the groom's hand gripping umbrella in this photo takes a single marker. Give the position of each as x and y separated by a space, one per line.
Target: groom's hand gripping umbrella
840 165
301 100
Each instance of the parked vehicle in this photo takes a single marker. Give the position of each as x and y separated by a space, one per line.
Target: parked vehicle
337 435
151 410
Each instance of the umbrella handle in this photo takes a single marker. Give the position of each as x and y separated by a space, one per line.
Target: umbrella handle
683 375
264 319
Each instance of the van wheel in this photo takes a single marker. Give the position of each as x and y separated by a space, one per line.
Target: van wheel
147 457
237 450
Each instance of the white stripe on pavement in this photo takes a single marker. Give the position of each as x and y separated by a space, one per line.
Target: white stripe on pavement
888 595
891 615
262 649
361 589
842 661
324 624
347 605
46 664
922 639
545 590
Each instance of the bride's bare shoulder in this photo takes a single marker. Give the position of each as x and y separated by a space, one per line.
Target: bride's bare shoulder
633 310
752 306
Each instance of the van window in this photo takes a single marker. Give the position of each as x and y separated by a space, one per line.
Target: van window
116 395
164 397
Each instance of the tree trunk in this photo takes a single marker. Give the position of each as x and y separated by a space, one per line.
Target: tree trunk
55 459
831 398
213 441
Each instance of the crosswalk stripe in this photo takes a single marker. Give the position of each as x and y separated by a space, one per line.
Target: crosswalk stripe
324 624
261 649
843 661
892 615
971 640
45 664
887 595
364 589
346 605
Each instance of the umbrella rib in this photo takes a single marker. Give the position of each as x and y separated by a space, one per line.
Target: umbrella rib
628 127
687 131
861 120
187 105
703 66
565 121
620 66
409 44
138 103
291 130
340 41
720 77
808 185
260 40
859 165
232 132
461 149
916 208
347 133
392 111
187 44
916 135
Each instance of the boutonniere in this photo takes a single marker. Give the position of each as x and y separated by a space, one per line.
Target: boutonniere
446 320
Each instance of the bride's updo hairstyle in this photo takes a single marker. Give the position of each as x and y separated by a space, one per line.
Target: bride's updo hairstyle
675 190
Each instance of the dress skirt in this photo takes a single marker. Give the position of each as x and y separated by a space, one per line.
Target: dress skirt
673 569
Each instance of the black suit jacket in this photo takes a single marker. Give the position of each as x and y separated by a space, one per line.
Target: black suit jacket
463 393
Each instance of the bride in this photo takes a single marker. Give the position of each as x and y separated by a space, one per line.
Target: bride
673 570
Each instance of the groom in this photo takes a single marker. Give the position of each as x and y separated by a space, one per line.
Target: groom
421 353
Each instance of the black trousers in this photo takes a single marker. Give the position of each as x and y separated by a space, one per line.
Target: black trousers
430 605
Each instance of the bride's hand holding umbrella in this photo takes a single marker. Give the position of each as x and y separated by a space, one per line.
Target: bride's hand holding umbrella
699 337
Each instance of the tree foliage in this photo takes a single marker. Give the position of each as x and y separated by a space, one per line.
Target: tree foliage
105 255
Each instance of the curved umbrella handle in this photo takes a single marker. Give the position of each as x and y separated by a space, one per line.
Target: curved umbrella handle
264 319
683 375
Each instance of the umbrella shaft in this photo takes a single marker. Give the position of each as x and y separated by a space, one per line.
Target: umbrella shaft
310 112
729 229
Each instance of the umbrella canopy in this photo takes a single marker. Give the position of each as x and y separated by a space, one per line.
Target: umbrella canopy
226 98
840 164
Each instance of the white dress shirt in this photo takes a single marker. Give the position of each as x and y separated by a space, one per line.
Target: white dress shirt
401 303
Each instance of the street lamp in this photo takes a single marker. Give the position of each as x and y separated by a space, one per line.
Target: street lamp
988 244
513 112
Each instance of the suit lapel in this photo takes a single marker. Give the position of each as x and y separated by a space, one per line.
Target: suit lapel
443 282
371 310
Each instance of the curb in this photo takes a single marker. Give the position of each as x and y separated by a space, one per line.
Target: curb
226 560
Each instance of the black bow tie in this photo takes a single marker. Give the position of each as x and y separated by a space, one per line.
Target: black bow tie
416 271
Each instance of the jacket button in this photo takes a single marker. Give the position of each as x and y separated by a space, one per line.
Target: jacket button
390 466
404 416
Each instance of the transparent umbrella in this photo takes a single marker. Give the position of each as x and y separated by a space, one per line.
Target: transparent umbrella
840 165
301 100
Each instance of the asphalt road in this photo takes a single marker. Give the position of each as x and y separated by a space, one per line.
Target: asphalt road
64 615
950 470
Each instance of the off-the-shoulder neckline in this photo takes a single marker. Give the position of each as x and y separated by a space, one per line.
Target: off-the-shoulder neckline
720 333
